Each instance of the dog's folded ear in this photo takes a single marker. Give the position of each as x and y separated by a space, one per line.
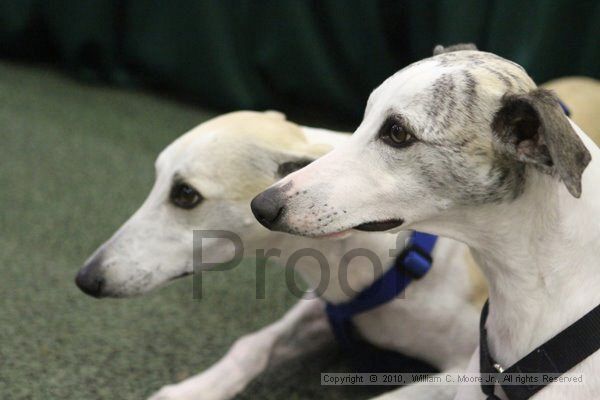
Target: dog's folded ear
533 129
291 160
287 167
439 49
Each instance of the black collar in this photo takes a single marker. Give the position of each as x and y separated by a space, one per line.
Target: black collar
558 355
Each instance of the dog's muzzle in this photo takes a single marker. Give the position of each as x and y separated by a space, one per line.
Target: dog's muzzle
90 279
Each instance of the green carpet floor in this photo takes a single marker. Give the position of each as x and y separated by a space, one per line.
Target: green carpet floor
75 162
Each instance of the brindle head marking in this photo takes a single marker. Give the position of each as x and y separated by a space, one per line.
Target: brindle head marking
533 129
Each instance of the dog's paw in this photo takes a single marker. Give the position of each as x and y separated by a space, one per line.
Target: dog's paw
181 392
195 388
168 392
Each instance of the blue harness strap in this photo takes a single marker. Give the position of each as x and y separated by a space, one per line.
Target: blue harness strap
565 108
413 263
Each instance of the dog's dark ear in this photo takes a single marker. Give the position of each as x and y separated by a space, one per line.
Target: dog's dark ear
289 161
533 128
439 49
287 167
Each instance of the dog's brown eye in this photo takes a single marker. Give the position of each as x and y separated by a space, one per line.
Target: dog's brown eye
395 134
398 134
185 196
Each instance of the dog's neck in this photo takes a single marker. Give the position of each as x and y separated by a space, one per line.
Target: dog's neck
540 256
360 272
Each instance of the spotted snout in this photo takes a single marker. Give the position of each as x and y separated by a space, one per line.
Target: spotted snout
299 211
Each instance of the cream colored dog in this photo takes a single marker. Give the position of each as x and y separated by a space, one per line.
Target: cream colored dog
205 181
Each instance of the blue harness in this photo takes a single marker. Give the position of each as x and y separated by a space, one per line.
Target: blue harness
413 263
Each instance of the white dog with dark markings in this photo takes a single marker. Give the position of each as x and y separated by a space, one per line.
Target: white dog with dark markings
206 180
463 144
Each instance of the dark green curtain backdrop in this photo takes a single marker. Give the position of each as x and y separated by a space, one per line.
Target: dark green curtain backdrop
325 55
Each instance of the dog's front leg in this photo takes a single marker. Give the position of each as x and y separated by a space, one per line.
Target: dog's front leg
301 330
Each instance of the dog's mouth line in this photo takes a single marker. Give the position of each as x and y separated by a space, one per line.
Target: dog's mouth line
180 275
377 226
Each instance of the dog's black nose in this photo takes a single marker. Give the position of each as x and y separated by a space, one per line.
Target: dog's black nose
267 207
89 279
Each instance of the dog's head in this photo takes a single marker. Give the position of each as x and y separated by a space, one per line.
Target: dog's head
204 181
460 129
